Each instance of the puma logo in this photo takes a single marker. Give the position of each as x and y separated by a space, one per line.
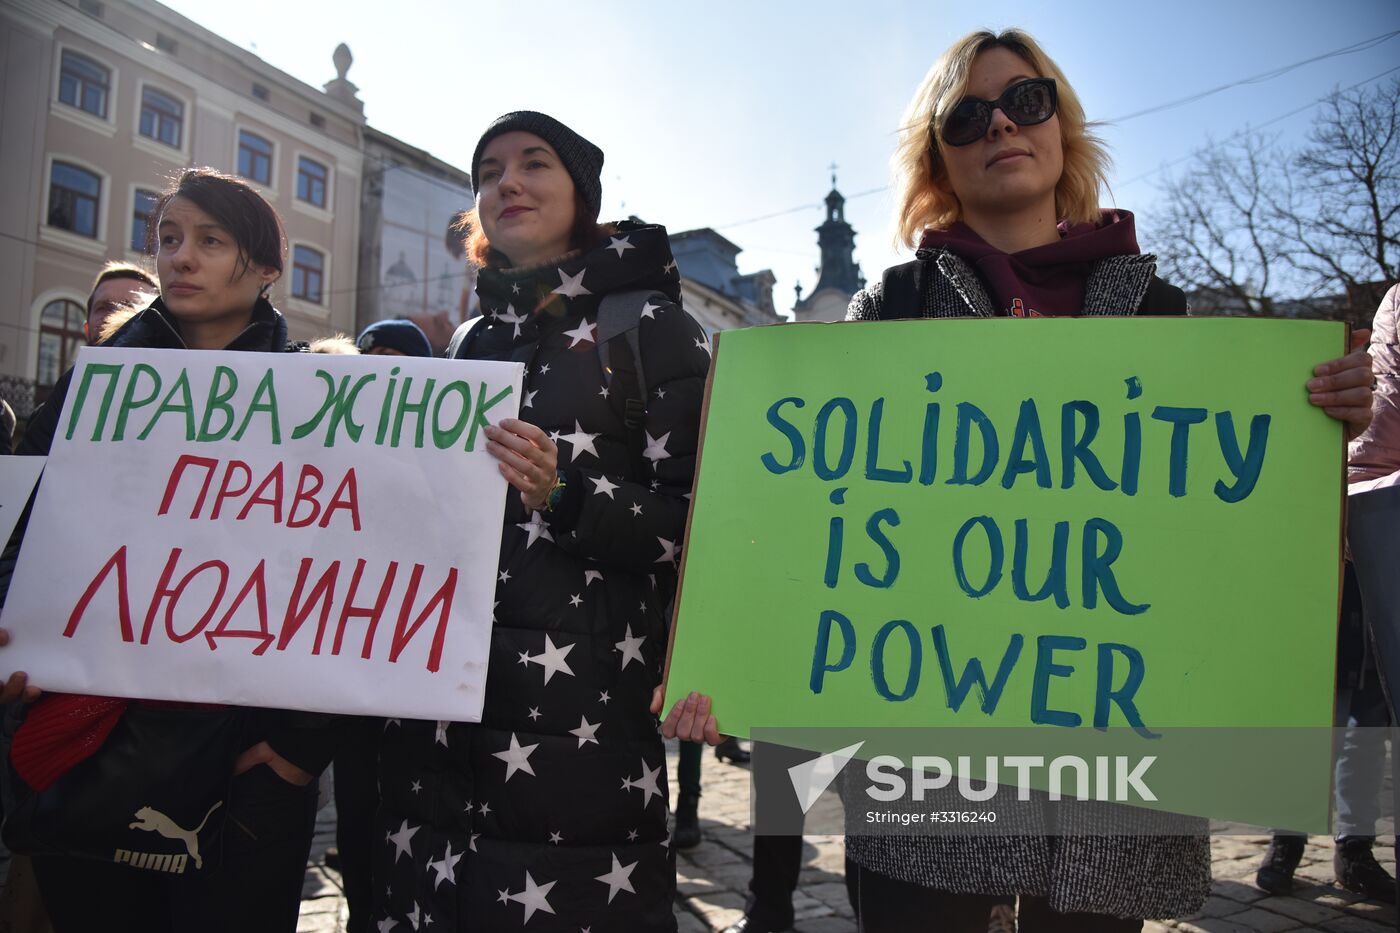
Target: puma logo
153 821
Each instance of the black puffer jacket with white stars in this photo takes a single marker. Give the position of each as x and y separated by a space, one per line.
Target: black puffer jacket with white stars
551 813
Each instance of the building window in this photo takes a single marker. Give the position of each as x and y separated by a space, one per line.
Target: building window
74 196
259 91
60 336
162 117
311 182
318 121
143 215
308 269
166 44
254 157
84 84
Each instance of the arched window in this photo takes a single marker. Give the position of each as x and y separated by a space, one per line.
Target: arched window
308 271
83 83
75 194
60 337
162 117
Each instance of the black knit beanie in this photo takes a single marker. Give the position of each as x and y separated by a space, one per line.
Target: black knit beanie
582 160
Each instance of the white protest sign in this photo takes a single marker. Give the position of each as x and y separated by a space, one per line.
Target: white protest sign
17 478
295 530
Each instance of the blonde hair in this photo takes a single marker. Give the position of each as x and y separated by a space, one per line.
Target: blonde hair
925 199
339 343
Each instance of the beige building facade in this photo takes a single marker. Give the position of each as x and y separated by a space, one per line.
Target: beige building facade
104 101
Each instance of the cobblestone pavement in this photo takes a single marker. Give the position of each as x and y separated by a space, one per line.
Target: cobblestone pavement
712 879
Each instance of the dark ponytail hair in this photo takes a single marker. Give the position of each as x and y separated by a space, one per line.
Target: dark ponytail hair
249 219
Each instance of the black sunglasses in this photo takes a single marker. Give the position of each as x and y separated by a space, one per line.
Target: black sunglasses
1025 103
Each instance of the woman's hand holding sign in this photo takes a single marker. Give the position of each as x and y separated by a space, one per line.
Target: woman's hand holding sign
17 686
689 720
528 459
1342 387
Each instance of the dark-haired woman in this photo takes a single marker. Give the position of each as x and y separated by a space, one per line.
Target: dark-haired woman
552 811
219 248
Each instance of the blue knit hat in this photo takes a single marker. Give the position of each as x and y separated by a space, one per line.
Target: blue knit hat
405 336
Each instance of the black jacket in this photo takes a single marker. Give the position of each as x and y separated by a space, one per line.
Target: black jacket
553 809
307 740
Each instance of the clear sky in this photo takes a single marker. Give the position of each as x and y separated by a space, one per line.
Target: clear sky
712 114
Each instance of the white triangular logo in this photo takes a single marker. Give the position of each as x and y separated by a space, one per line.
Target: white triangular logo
811 778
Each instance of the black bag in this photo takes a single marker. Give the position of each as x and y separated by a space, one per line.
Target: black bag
153 797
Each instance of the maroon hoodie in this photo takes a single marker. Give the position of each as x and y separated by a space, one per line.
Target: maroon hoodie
1044 281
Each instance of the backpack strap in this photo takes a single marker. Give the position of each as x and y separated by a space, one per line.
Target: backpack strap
461 338
619 318
902 291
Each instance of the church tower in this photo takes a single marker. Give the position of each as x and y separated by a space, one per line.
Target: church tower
838 276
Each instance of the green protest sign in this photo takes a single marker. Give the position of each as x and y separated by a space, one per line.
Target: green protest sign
1090 523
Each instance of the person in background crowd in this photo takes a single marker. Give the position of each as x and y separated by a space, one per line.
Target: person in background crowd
119 287
998 182
394 338
1373 460
220 247
552 811
355 769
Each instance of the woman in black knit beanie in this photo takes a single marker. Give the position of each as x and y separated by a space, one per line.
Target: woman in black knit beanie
552 811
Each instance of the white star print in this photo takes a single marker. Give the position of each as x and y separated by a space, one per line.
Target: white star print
525 657
534 713
416 787
544 369
619 244
471 843
702 344
529 398
603 391
552 659
503 897
402 840
484 809
533 897
605 486
386 925
661 393
535 528
586 731
504 575
604 698
646 783
515 288
446 867
656 447
666 843
618 879
440 734
555 837
668 552
590 575
636 510
570 287
648 308
631 835
510 317
517 757
580 442
669 267
631 648
576 600
581 333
